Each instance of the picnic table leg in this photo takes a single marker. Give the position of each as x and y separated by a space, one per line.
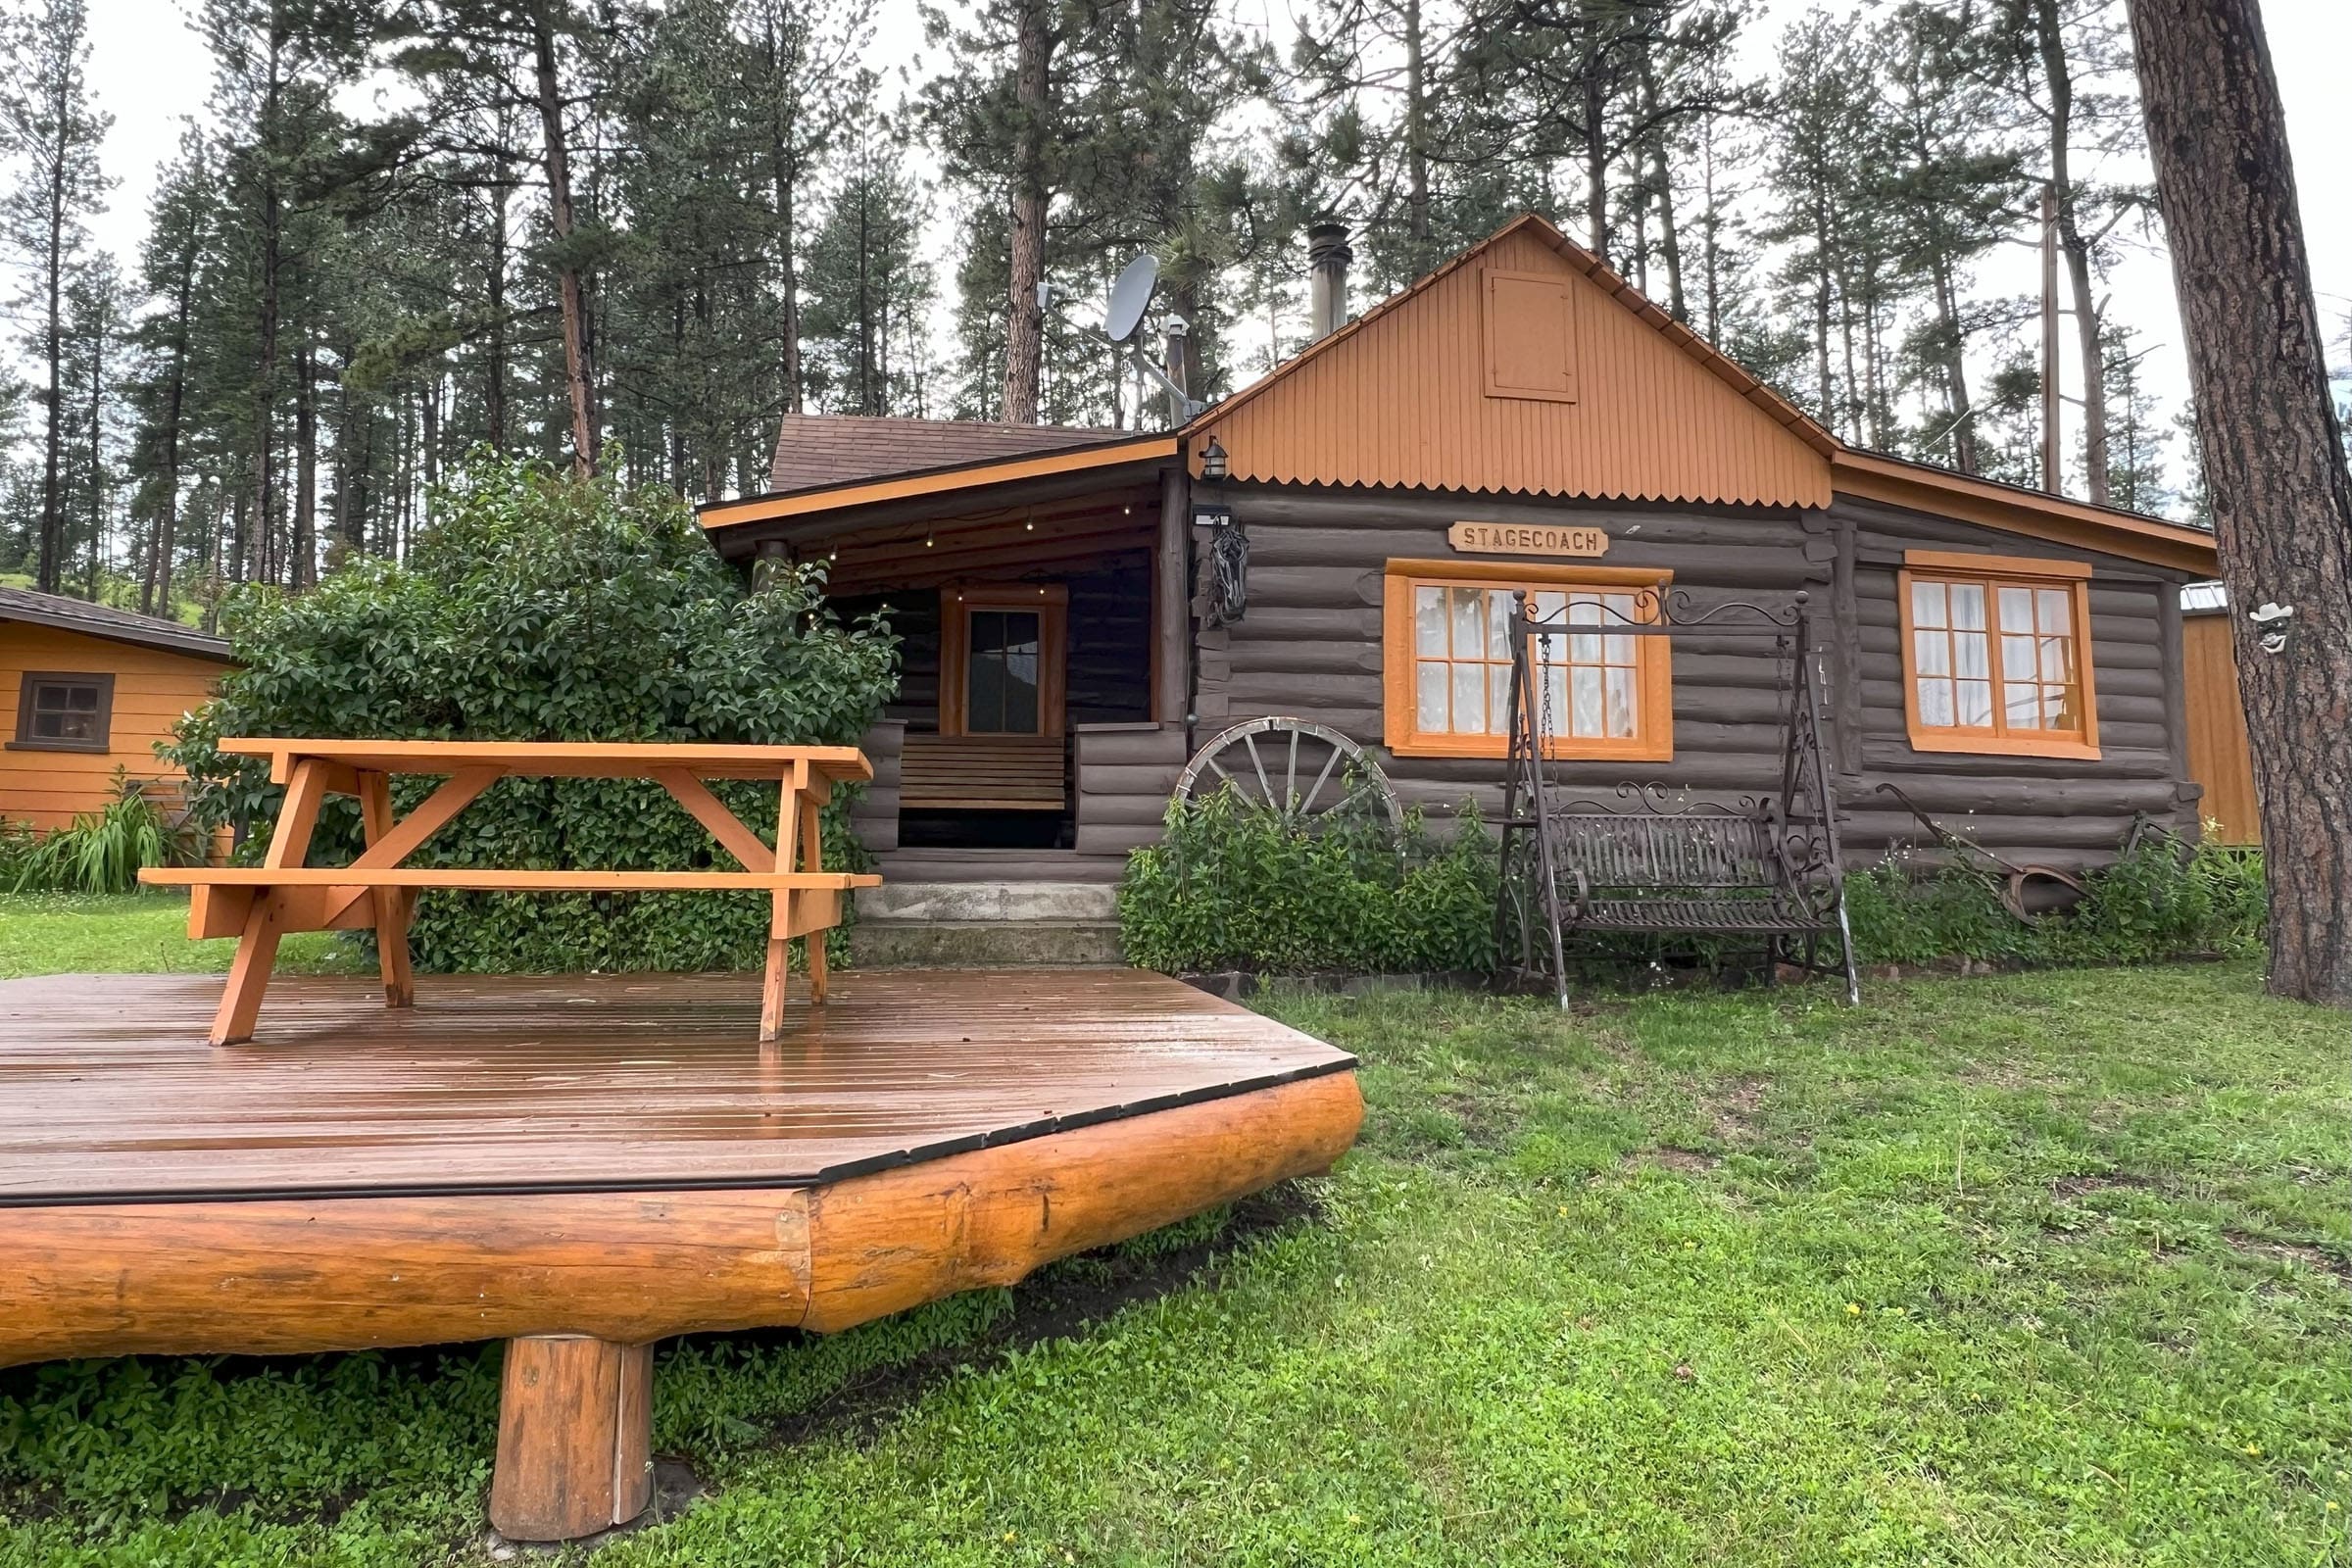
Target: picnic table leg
813 853
391 903
257 947
780 919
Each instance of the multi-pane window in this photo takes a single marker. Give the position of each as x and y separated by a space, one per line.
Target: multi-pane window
64 713
1601 693
1001 673
1996 661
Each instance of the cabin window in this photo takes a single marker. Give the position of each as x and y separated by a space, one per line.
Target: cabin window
1996 655
1448 661
64 712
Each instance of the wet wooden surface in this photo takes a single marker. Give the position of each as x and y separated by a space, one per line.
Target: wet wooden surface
108 1090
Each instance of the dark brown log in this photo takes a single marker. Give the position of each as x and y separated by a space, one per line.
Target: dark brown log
575 1430
2272 453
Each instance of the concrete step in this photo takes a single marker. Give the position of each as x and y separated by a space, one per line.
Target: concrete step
989 900
986 944
917 864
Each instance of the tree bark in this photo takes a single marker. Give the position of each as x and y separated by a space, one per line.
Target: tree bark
2272 453
568 285
1025 322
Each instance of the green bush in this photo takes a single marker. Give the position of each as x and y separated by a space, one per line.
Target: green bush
543 607
1237 886
2163 900
100 852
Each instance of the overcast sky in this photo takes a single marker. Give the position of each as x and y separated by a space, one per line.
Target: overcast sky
150 69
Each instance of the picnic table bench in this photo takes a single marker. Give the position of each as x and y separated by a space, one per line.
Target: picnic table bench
259 905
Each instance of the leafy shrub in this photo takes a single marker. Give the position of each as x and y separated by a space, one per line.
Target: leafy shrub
1239 886
2163 900
100 852
544 607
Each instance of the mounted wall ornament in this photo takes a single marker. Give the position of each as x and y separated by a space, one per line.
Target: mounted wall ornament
1228 586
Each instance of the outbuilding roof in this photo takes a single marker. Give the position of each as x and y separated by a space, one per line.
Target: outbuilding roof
115 625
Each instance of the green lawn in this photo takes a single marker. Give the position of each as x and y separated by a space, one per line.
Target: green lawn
135 933
2049 1268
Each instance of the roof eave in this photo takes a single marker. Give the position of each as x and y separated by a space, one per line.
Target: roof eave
783 506
194 645
1875 476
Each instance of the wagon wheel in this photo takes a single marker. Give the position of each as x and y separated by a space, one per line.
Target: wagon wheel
1292 765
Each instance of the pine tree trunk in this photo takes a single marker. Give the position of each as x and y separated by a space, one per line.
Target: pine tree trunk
494 370
50 572
2272 450
306 467
262 520
2072 244
1025 323
1953 347
568 284
784 167
1596 166
1416 138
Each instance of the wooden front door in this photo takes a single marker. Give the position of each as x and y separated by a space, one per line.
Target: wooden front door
1003 652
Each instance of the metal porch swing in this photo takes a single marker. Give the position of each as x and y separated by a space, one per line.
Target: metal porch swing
1657 862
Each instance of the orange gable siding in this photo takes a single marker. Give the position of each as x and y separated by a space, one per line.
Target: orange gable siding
152 689
1401 400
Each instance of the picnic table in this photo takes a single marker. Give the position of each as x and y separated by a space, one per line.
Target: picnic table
259 905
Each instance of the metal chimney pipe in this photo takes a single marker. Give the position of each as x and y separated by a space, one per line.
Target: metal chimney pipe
1178 330
1327 258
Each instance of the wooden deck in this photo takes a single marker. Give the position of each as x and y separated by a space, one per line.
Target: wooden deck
109 1093
585 1165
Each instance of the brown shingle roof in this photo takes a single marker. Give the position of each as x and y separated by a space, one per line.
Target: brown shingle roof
824 449
117 626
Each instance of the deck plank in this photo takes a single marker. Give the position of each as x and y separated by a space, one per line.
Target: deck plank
108 1091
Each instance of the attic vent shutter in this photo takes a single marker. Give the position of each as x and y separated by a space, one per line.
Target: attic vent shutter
1530 340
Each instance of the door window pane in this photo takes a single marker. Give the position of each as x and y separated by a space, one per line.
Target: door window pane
1001 695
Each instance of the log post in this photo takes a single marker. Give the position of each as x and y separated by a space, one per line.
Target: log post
576 1433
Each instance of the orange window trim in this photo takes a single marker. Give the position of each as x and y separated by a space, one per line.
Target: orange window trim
1050 601
1652 740
1995 573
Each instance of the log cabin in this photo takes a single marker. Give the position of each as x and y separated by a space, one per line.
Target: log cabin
2010 660
86 690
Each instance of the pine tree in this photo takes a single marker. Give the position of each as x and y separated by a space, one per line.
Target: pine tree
52 127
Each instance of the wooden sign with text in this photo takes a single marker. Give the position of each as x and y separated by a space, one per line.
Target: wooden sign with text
1527 539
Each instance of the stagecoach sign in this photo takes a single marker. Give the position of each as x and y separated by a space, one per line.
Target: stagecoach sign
1526 539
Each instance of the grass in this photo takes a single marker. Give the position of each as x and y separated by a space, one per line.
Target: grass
135 933
2043 1269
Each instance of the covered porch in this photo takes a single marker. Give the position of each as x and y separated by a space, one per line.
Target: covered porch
1042 601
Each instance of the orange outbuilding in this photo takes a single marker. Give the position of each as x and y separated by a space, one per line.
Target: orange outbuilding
86 690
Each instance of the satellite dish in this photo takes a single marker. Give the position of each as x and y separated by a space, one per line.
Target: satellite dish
1128 298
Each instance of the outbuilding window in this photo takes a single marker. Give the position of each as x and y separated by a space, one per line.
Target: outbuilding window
1996 655
64 712
1448 661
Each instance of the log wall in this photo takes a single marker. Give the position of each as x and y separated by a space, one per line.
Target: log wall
1310 646
2059 810
1126 773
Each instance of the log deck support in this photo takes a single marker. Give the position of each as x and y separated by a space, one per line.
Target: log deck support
575 1437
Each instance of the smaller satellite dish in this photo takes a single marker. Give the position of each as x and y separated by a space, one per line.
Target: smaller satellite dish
1129 297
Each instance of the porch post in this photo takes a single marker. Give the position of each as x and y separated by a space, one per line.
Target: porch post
1172 598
